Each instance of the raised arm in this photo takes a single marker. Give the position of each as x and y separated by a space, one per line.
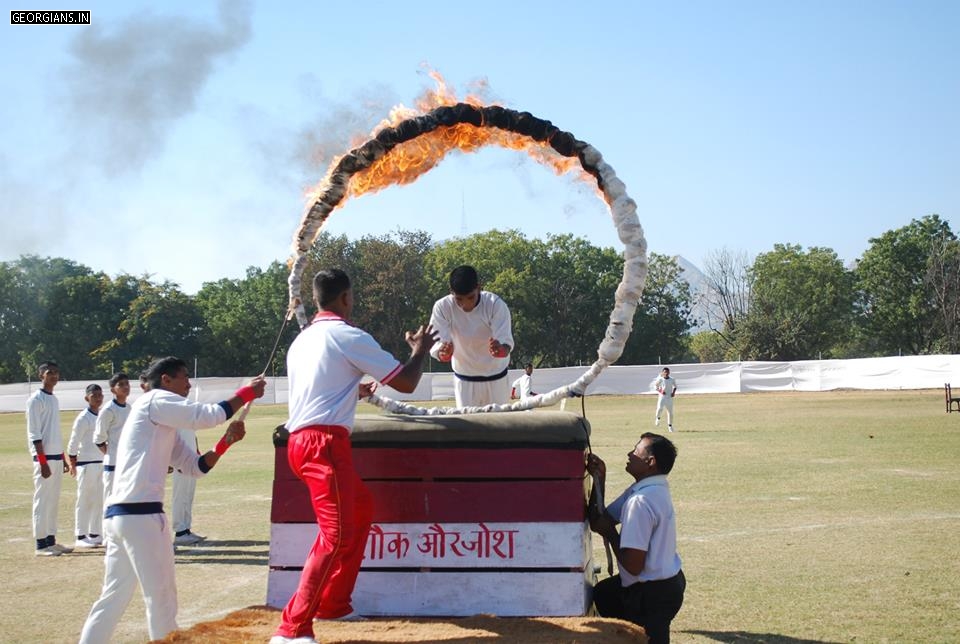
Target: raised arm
420 342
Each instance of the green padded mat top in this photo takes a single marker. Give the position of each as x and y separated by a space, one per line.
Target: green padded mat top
556 429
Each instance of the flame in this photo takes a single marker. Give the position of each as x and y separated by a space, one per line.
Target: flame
406 162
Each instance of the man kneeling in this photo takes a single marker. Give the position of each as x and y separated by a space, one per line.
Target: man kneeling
649 589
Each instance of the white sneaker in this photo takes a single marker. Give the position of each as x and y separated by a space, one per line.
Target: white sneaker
280 639
656 422
61 549
47 552
96 541
85 543
187 539
670 428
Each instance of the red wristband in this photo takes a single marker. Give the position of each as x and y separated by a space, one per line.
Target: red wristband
222 446
246 394
42 458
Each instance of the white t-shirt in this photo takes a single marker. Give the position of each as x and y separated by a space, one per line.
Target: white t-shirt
43 423
110 422
324 367
471 333
150 442
81 442
649 523
665 386
523 385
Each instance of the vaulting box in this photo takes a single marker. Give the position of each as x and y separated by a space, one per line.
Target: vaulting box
481 513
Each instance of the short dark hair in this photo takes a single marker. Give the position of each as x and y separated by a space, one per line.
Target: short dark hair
92 387
48 365
329 284
663 450
463 279
116 378
169 366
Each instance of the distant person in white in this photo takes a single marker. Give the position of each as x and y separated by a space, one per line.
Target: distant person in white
666 389
474 330
86 465
137 531
524 384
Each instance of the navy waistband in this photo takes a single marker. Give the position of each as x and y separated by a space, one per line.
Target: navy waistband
498 376
79 463
50 457
109 468
118 509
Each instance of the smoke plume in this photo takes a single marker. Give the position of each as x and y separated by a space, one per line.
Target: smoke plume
126 86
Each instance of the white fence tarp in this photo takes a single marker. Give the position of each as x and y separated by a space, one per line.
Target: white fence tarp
906 372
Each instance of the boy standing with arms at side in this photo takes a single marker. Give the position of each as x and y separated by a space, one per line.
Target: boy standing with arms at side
109 423
86 465
46 446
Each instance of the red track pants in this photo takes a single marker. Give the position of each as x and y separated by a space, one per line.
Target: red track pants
321 457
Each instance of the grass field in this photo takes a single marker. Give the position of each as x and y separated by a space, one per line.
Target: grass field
827 517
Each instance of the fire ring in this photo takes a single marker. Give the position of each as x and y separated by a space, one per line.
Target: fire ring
335 188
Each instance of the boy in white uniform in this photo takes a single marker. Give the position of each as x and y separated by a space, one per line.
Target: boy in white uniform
86 464
474 330
137 531
46 444
184 490
110 422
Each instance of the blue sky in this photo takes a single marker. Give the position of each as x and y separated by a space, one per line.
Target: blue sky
179 141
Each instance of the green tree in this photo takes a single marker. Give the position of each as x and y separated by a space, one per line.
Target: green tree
243 319
663 316
327 252
387 274
943 278
85 319
800 305
390 288
505 261
161 320
559 290
29 316
897 303
708 346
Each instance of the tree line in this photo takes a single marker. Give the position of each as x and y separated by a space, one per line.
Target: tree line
902 297
788 304
560 292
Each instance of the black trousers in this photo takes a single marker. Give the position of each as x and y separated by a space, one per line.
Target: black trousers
650 604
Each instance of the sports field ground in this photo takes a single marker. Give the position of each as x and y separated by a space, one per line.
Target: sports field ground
821 517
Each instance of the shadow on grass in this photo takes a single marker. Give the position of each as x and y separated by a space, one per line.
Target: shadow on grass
756 638
245 553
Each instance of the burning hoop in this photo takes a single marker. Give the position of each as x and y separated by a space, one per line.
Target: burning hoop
423 139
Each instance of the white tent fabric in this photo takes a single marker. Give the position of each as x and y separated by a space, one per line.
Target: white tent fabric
906 372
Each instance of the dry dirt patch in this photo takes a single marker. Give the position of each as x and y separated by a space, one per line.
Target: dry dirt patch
257 624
